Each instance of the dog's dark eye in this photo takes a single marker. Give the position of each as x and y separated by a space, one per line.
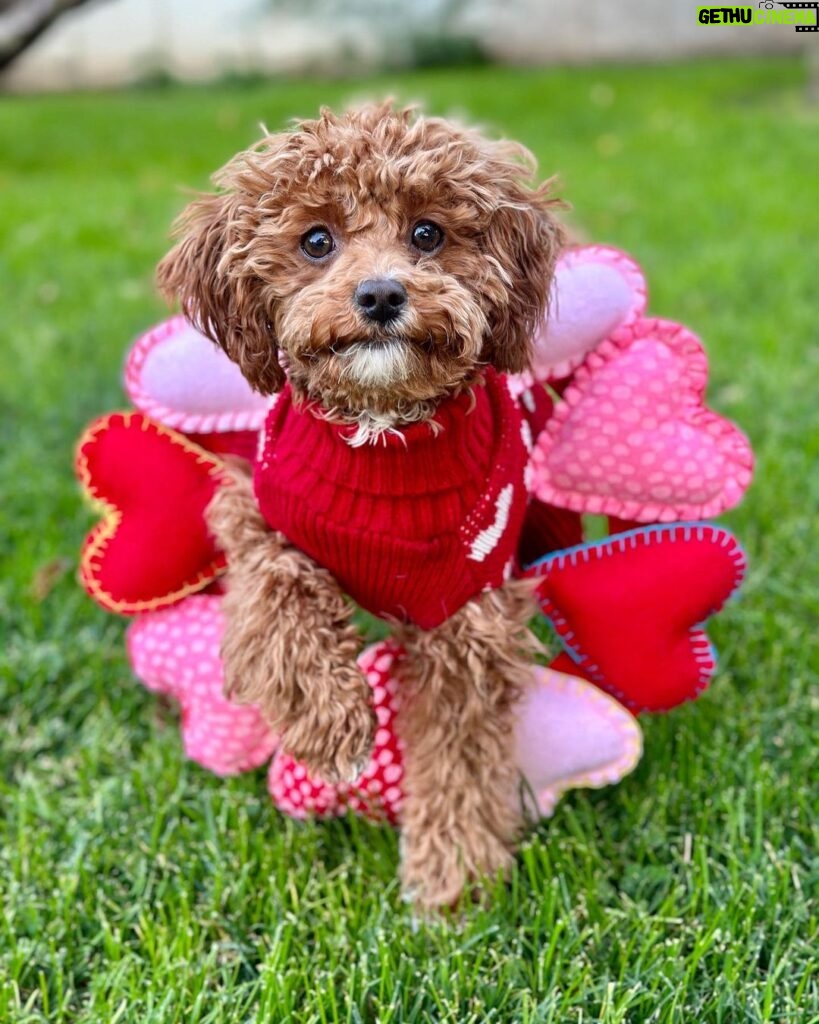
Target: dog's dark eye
427 236
317 243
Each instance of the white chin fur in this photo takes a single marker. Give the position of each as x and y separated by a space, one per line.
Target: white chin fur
377 364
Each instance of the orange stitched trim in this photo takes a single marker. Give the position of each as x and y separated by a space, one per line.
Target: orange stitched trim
101 535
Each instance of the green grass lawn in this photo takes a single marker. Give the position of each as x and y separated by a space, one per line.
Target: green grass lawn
135 886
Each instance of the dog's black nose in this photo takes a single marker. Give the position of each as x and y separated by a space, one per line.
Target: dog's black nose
381 299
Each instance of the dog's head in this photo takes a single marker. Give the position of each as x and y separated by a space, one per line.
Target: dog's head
387 256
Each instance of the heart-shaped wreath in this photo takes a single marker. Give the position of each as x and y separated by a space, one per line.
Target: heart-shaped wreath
615 405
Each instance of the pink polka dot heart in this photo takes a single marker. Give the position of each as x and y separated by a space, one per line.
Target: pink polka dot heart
377 793
632 437
176 651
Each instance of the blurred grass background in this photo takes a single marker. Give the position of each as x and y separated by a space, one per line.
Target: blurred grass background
135 886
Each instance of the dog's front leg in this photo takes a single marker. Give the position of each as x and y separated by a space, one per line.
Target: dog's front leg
289 645
461 816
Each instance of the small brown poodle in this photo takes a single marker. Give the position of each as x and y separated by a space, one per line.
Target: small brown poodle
377 272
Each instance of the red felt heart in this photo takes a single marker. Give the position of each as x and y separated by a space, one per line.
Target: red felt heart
630 607
152 547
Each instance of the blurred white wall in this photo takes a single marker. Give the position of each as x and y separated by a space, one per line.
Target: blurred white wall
579 30
114 42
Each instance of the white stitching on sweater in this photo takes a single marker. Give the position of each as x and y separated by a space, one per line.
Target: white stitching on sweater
487 540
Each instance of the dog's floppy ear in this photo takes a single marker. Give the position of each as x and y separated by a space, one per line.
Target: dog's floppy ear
204 271
523 241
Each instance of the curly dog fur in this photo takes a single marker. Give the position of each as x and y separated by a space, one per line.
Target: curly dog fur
253 274
302 673
462 816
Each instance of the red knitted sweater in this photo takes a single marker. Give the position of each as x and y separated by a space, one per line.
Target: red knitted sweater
413 525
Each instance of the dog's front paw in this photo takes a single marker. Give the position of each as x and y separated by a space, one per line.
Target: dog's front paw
334 736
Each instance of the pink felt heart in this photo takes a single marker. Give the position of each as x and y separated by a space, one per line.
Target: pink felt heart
176 375
631 608
632 437
571 735
176 652
596 289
